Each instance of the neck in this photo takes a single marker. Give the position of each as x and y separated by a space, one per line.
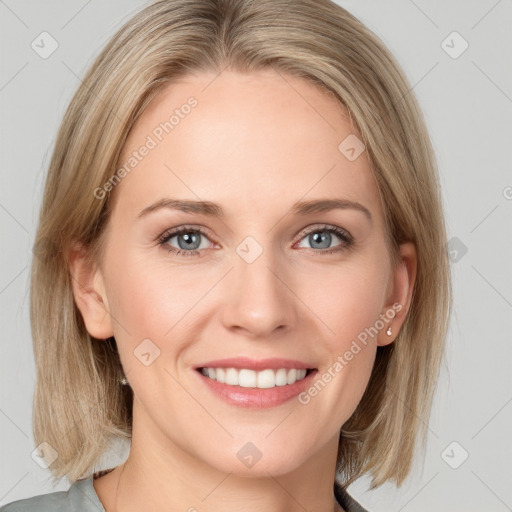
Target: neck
160 475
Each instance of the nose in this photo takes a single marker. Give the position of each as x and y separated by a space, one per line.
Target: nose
259 299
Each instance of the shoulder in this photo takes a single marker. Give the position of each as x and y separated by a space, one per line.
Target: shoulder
80 497
55 501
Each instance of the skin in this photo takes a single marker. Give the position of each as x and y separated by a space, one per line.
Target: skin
255 144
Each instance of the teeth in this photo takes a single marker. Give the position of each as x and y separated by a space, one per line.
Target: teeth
252 379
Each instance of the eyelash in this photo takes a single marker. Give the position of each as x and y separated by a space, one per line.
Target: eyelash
341 233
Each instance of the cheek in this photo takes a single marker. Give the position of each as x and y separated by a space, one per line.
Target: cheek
149 297
351 309
347 299
151 310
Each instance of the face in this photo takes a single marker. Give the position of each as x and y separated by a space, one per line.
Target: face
260 282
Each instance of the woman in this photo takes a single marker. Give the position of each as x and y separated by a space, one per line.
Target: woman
179 298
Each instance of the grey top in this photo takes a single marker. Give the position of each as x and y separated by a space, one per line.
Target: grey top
82 497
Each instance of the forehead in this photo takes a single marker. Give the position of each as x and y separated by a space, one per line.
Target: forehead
243 139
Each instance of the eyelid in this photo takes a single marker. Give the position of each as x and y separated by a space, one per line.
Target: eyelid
344 235
172 232
320 226
340 232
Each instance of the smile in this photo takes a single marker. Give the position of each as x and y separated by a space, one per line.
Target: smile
255 383
247 378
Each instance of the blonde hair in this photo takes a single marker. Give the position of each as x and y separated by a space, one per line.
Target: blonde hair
78 404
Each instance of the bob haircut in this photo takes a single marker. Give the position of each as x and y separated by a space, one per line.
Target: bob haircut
79 405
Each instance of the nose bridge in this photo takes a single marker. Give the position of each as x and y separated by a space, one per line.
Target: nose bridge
259 301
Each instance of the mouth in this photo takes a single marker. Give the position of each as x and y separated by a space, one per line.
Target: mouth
263 379
258 384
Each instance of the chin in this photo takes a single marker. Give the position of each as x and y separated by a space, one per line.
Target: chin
250 461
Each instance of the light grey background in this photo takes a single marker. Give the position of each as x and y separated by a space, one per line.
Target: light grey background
467 103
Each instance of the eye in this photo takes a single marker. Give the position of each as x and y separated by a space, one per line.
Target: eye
320 239
189 240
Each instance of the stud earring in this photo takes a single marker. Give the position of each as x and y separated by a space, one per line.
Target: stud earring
389 331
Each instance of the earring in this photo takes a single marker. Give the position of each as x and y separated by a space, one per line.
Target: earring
389 331
123 381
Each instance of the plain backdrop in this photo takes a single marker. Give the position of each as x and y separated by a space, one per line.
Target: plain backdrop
466 95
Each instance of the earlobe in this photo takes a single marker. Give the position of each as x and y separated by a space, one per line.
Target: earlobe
89 293
399 299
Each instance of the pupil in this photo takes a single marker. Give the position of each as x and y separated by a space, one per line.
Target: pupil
325 237
189 239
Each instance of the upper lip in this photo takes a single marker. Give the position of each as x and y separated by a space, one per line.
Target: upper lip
255 364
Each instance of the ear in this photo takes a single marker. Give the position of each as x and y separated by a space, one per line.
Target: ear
403 277
89 293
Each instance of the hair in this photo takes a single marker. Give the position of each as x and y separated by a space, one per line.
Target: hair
79 405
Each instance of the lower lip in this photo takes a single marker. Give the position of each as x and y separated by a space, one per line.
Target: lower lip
255 397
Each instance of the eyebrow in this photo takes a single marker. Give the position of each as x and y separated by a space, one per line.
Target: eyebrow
215 210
